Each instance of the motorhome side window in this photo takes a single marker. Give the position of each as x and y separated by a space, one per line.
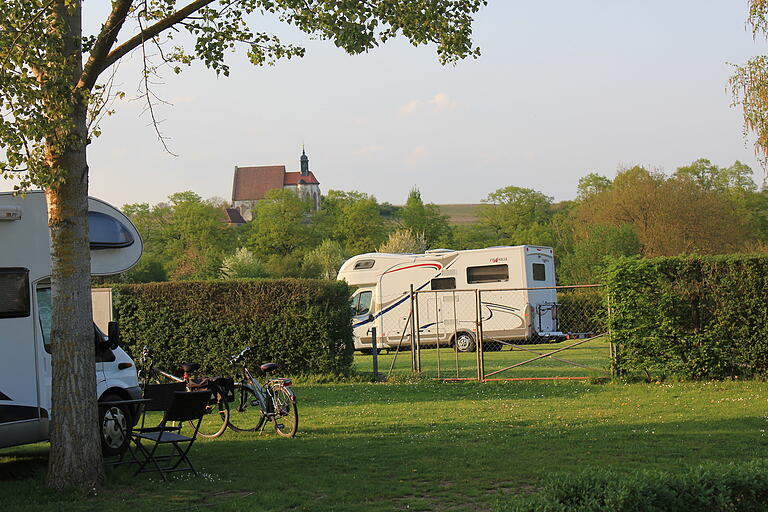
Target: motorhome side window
106 232
14 293
539 272
443 283
363 303
44 315
487 274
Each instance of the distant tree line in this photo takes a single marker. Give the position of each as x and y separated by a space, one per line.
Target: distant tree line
700 209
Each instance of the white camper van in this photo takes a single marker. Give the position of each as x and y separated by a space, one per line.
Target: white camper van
25 318
383 283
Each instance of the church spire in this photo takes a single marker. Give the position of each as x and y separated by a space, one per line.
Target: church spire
304 162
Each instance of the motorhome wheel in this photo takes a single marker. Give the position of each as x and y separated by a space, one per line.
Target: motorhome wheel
465 342
114 427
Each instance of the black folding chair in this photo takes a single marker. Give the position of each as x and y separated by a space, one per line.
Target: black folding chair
185 406
161 396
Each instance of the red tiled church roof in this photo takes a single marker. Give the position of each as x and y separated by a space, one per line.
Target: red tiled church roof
252 183
293 178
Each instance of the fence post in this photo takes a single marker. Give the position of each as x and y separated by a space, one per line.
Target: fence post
417 356
375 354
479 332
413 333
613 347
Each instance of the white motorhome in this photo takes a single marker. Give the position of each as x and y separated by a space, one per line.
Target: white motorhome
25 318
511 307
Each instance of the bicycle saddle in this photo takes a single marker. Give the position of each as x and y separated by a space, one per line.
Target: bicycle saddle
189 367
268 367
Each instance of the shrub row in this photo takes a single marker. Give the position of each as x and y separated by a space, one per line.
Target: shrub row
694 317
733 488
305 325
582 310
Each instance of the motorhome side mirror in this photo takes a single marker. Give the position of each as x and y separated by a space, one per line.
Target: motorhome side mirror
113 332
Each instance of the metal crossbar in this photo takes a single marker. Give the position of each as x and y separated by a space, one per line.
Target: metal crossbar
548 354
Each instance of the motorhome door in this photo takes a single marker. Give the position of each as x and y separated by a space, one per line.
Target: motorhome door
19 393
540 271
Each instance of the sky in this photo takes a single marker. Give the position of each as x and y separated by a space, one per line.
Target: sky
562 88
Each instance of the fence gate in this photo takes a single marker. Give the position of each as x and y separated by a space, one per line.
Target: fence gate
509 334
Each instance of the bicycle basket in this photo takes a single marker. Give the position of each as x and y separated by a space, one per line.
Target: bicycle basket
226 388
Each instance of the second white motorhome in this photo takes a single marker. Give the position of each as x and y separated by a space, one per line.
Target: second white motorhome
25 319
511 308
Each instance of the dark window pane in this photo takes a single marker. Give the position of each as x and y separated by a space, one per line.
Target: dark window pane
487 274
444 283
105 232
14 292
539 272
364 264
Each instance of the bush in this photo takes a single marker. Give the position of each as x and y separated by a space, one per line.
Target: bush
695 317
734 488
305 325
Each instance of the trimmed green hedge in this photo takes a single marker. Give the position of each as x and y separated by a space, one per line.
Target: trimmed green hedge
302 324
693 316
739 487
582 310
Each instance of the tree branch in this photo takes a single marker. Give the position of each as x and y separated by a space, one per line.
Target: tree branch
104 42
152 31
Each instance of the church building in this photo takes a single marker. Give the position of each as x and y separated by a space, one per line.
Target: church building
252 184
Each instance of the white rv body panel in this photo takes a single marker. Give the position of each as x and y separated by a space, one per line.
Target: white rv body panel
25 269
508 315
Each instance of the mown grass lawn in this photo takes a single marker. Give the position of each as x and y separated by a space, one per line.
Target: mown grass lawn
590 357
431 446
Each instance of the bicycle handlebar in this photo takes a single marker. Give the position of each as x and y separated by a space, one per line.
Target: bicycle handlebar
239 357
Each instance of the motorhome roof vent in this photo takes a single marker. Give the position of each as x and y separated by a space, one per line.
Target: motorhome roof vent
10 212
438 251
364 264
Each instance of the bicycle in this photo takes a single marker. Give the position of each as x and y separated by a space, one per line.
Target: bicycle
216 418
254 403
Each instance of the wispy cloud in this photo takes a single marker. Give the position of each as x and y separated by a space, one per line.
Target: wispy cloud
367 150
183 99
440 102
416 156
409 107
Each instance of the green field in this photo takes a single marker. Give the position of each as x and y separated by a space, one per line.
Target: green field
460 213
429 445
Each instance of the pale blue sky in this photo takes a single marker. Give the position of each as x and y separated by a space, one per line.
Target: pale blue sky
562 88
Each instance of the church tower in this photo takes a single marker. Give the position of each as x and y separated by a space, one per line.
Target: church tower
304 162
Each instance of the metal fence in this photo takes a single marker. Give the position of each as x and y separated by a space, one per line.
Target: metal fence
523 333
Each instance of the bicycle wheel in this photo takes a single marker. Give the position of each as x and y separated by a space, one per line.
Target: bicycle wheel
286 414
215 420
245 413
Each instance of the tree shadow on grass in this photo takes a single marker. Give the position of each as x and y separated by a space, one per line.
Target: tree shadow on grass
357 464
23 462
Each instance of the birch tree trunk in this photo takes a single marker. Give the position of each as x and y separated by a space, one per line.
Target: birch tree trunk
75 458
